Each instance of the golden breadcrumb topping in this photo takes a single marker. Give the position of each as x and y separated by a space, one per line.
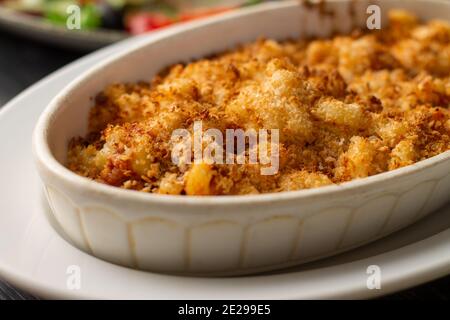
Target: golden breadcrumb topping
346 107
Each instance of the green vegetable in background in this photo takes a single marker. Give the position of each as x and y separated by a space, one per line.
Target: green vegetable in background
55 11
90 17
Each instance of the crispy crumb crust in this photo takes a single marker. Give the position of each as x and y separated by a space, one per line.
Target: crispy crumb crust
346 107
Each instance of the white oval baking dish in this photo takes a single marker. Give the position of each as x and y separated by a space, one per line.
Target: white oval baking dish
227 235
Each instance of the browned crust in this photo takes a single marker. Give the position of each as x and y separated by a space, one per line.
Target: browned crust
346 107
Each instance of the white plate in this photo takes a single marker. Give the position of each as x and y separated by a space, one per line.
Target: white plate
36 258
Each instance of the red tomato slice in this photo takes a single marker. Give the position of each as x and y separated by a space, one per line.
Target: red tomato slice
142 22
147 21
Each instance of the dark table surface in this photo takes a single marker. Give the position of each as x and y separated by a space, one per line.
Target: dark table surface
23 62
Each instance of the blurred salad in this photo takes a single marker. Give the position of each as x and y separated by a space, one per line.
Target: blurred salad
133 16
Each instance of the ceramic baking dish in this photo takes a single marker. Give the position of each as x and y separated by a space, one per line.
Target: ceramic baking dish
227 235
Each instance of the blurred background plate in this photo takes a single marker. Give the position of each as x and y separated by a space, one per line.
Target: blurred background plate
40 30
103 21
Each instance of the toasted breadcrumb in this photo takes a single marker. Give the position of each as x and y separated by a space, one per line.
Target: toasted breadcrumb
347 107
